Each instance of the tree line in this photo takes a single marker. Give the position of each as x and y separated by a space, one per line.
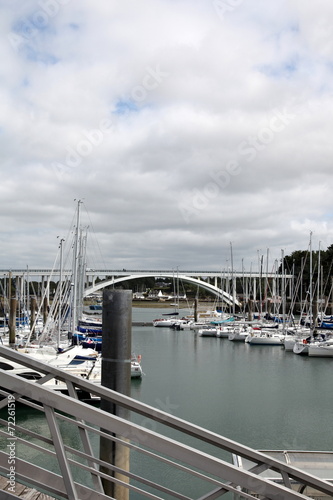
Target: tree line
300 263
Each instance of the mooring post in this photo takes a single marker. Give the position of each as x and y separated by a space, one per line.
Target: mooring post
45 309
250 312
196 301
12 322
116 375
33 307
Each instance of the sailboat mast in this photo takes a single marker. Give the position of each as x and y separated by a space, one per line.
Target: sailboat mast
232 281
283 292
320 290
60 293
75 268
310 285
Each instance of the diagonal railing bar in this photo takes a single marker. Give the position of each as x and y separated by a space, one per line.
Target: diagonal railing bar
87 455
224 473
28 432
61 454
86 444
179 452
154 413
257 469
45 379
131 475
142 451
33 445
222 491
48 481
286 479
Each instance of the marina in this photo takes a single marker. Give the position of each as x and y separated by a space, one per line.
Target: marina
223 371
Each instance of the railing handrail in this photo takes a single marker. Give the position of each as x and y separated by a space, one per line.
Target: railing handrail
208 464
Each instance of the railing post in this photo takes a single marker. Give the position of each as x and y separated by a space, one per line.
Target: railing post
116 375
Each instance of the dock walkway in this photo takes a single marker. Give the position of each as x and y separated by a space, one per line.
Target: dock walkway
20 491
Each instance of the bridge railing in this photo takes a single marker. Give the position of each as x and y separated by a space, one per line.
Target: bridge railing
84 473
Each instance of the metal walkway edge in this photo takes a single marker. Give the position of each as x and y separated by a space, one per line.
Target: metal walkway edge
218 476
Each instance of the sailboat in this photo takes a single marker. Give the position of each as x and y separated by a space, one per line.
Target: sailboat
301 345
170 319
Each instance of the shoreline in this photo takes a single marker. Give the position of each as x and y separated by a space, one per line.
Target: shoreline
167 305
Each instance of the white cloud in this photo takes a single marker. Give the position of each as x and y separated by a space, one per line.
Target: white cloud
144 109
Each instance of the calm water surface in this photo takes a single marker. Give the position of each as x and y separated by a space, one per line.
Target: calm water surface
261 396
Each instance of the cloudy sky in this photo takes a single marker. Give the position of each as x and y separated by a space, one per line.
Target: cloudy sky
189 128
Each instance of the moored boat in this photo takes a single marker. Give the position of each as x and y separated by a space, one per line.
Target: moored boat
321 349
208 332
164 322
301 347
239 334
264 337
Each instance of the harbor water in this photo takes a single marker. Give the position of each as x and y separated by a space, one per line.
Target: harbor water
260 396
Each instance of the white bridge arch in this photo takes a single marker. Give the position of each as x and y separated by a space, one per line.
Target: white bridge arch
226 297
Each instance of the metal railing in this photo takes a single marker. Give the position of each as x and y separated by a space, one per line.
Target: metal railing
217 476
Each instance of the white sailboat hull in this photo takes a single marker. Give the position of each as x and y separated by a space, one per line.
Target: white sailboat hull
264 338
301 347
320 350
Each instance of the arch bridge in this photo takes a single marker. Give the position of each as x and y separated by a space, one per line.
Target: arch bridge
251 281
218 292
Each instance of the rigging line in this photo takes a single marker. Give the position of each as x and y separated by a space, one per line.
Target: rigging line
95 237
42 302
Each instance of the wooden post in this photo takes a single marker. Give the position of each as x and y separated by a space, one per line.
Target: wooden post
45 310
33 307
250 313
12 322
196 309
116 375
